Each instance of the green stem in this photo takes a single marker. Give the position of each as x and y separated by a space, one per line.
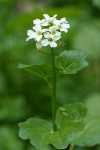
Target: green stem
53 89
71 147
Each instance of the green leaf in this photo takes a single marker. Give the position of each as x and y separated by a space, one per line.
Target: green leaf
37 130
90 136
70 62
41 134
69 120
41 70
93 105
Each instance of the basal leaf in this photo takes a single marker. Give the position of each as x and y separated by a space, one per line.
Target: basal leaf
41 134
70 62
37 130
70 112
90 136
69 120
93 105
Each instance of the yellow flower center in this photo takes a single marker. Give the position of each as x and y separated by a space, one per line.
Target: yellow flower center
50 39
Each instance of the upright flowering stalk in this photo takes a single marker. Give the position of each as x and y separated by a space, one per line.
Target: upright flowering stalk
47 32
68 120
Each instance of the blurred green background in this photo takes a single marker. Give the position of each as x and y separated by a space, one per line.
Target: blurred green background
23 95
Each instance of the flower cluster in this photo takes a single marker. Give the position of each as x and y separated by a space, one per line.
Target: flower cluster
47 31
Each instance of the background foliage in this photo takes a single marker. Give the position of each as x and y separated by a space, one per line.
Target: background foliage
23 95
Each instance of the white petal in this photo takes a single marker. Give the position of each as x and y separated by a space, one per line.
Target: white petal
45 23
47 35
46 16
37 21
58 33
57 22
51 36
43 20
63 20
31 33
65 25
45 42
56 37
64 30
55 15
52 19
44 30
37 27
53 29
53 44
38 38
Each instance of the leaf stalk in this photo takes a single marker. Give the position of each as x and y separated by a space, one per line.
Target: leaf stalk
71 147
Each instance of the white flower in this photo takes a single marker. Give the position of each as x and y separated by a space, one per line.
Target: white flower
63 20
47 17
39 22
38 33
53 31
49 20
47 31
31 35
50 40
62 24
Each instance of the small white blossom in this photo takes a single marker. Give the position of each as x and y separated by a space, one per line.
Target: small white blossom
49 20
53 31
47 31
39 22
47 17
63 20
50 40
38 32
31 35
62 24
